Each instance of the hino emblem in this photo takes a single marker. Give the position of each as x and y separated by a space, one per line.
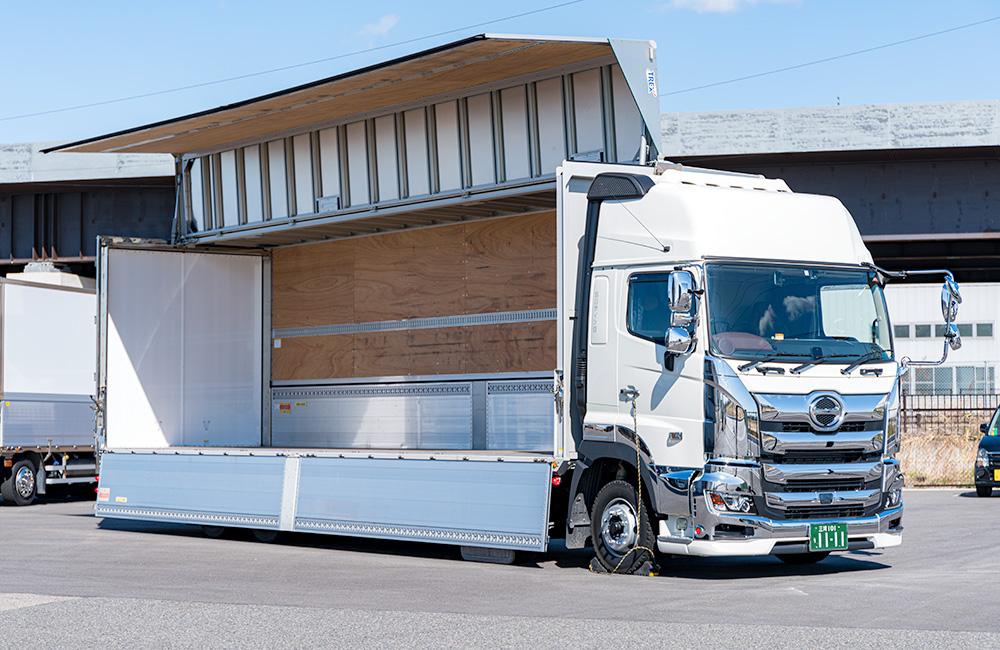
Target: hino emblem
826 411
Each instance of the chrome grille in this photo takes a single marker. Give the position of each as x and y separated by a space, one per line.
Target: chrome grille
825 485
823 512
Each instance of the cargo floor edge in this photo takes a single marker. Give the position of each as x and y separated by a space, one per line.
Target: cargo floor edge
483 503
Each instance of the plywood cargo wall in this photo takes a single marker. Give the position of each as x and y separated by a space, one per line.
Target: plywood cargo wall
472 268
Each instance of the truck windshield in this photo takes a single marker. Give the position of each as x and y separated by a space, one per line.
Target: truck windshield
796 313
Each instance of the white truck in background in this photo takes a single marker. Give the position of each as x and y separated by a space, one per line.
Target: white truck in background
47 360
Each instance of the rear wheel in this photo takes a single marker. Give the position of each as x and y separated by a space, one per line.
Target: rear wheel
213 532
263 535
622 533
19 488
803 558
984 491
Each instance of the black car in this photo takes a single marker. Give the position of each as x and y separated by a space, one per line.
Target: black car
988 457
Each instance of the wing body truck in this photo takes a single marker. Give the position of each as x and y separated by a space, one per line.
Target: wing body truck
48 357
718 340
457 321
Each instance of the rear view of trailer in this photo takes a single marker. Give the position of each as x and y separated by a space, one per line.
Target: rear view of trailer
364 332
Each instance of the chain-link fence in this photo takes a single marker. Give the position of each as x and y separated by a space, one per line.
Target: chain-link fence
940 436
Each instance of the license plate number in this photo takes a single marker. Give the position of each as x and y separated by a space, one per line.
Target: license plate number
996 475
827 537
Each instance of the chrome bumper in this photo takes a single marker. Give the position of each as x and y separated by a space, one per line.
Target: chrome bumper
770 536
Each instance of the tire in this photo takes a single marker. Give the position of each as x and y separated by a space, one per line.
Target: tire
800 559
984 491
264 535
614 531
19 488
213 532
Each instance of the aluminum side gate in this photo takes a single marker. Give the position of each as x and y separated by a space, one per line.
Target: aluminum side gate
487 503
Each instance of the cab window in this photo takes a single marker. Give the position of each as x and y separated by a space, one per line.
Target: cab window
648 314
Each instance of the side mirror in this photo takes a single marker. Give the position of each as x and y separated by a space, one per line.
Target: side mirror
952 336
984 427
678 341
681 289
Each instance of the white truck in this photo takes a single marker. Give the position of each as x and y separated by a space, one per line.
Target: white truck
410 315
47 365
724 384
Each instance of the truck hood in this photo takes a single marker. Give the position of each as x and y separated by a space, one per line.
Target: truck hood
825 376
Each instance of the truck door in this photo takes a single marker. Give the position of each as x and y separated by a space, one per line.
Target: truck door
669 403
182 349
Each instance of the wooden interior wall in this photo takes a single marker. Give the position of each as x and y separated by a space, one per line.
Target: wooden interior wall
478 267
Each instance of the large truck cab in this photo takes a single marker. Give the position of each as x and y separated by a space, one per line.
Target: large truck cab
737 331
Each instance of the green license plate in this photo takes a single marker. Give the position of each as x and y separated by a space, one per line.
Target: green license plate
827 537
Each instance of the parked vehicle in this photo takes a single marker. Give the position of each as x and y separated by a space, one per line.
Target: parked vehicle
48 364
634 356
987 470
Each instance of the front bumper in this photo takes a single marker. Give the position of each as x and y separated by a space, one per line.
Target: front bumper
986 475
764 536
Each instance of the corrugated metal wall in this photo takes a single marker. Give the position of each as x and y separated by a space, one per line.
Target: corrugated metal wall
62 223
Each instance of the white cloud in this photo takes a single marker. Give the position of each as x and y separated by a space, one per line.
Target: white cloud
719 6
380 27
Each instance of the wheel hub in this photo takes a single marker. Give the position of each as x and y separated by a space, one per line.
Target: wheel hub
619 526
24 482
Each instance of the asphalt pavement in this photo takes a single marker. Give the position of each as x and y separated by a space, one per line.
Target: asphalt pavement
70 580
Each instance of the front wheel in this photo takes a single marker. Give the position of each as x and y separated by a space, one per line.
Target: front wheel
622 533
19 488
984 491
803 558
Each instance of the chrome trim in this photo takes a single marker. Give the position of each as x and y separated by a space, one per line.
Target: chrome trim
799 527
781 442
732 462
789 472
782 500
795 408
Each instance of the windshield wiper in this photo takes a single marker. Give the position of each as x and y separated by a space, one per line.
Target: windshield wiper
753 364
874 355
815 360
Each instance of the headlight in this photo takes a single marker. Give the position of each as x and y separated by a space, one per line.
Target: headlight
894 497
731 502
982 458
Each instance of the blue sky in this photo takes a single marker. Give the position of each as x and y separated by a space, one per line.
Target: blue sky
57 54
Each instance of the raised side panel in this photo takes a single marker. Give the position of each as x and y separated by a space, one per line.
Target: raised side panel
491 504
302 150
329 162
417 171
278 184
587 105
238 491
230 192
197 184
551 124
519 415
385 155
517 160
481 139
449 156
628 122
254 184
357 163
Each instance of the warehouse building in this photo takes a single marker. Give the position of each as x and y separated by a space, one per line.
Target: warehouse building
54 206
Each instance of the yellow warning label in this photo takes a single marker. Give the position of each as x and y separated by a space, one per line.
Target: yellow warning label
121 499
